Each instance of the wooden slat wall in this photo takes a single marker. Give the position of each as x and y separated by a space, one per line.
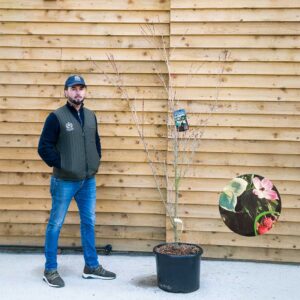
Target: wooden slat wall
255 126
41 43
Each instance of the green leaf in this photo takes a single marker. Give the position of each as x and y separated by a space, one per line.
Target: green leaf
237 186
228 201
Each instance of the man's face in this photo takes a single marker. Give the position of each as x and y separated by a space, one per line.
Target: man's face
76 94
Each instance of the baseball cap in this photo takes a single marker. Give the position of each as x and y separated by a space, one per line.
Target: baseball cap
74 80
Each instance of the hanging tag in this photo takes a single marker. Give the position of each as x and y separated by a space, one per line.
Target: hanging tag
181 122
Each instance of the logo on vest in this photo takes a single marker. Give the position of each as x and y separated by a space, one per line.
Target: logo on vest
69 126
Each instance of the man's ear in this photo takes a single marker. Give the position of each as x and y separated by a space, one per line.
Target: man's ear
65 93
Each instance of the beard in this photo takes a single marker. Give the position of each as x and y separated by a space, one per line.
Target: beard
76 101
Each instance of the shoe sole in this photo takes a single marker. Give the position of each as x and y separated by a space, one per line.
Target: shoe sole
92 276
52 285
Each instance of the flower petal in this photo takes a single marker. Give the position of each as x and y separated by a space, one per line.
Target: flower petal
257 183
270 195
267 184
259 193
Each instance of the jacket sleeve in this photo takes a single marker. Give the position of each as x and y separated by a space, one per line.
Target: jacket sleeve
46 148
98 142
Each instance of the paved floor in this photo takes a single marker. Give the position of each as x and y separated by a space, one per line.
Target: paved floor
21 278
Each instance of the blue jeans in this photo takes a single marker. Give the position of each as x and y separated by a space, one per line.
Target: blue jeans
62 192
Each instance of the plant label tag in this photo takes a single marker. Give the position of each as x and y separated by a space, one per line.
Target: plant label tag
181 122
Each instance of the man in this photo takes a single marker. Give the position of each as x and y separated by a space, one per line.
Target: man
71 145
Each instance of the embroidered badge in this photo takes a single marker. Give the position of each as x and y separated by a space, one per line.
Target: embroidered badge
77 78
69 126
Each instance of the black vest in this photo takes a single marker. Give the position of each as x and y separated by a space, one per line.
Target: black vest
76 145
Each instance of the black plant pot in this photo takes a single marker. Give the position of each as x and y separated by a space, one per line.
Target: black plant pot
178 273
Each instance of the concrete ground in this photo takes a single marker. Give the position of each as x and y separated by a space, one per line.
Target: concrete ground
21 278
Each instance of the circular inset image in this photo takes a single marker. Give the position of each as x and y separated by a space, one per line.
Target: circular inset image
250 205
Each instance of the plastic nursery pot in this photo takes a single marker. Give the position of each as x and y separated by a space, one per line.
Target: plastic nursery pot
178 273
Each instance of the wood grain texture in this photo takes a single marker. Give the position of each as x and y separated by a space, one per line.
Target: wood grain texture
241 55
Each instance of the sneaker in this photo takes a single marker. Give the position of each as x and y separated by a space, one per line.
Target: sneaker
98 272
52 278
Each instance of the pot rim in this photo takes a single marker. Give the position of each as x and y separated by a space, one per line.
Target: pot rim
179 243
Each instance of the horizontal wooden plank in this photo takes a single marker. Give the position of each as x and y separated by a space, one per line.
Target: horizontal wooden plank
240 159
30 53
106 129
28 65
14 195
266 114
212 212
92 92
259 55
78 28
235 4
235 15
236 68
191 172
106 142
285 186
152 131
102 206
117 243
217 146
94 79
217 225
243 81
112 116
178 80
204 54
238 133
238 94
30 154
112 168
151 93
17 114
200 185
199 158
80 54
106 219
90 5
259 254
121 206
16 109
243 120
243 107
74 231
224 28
102 180
267 240
216 185
245 147
160 131
85 41
19 153
234 41
85 16
28 197
225 113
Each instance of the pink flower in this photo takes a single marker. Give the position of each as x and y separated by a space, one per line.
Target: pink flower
263 189
262 229
267 222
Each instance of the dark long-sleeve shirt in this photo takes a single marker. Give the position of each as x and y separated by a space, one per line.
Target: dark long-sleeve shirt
49 137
